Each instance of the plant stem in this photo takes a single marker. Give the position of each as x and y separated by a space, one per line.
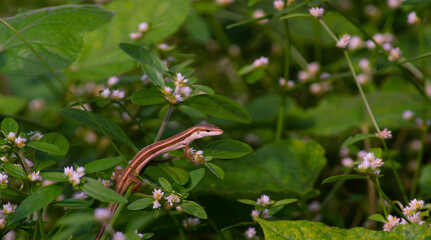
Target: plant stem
164 123
317 42
328 30
40 223
379 189
180 230
381 198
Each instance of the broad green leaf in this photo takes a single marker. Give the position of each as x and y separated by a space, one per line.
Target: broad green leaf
287 166
77 219
143 56
215 169
110 128
204 89
155 77
246 69
98 191
36 201
195 177
284 202
377 152
165 184
227 149
54 176
356 138
9 125
14 171
11 193
63 27
296 15
248 202
198 28
73 203
44 159
102 164
147 96
193 209
179 175
343 177
255 76
219 106
377 217
101 58
336 114
425 179
140 204
44 147
315 230
11 104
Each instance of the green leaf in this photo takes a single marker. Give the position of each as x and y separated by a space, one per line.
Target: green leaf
286 166
11 104
144 56
9 125
60 45
343 177
73 203
165 184
55 176
193 209
195 177
44 147
245 70
102 164
356 138
44 159
103 59
425 179
219 106
14 171
377 152
110 128
198 27
252 2
227 149
155 77
284 202
36 201
316 230
255 76
98 191
377 217
248 202
215 169
179 175
296 15
140 204
11 193
204 89
147 96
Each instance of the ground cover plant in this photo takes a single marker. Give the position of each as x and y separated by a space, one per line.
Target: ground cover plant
225 119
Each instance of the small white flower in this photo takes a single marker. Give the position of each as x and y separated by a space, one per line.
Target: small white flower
105 93
407 115
282 82
370 44
113 80
68 171
20 142
364 64
34 176
250 233
80 171
163 46
344 41
75 179
158 194
224 2
412 18
135 36
384 134
265 214
2 223
376 163
102 214
144 78
186 91
178 98
9 208
143 27
29 163
290 84
395 54
362 78
361 154
313 68
258 14
167 90
11 136
391 223
372 10
260 62
4 159
356 43
255 214
415 205
117 95
364 165
140 235
316 12
191 223
106 182
347 162
119 236
278 4
80 195
173 198
36 137
314 207
394 3
263 200
3 178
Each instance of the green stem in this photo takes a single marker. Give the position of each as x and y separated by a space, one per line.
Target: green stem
397 176
40 223
164 123
121 205
280 119
180 230
328 30
317 42
381 199
379 189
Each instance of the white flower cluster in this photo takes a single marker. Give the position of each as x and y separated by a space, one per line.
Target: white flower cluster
384 134
343 41
250 233
394 3
106 182
9 208
260 62
34 176
171 199
264 201
278 4
143 28
191 223
411 212
74 176
102 215
313 69
258 14
18 142
320 88
412 18
367 71
180 91
316 12
369 161
3 179
385 40
408 115
289 84
115 95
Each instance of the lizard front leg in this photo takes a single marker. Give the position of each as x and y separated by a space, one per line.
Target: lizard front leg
188 155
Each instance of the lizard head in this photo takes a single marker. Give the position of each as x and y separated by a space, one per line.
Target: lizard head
205 130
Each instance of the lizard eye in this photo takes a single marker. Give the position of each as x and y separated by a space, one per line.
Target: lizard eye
208 130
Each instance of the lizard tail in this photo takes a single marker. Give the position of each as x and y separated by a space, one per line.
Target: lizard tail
101 231
111 208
